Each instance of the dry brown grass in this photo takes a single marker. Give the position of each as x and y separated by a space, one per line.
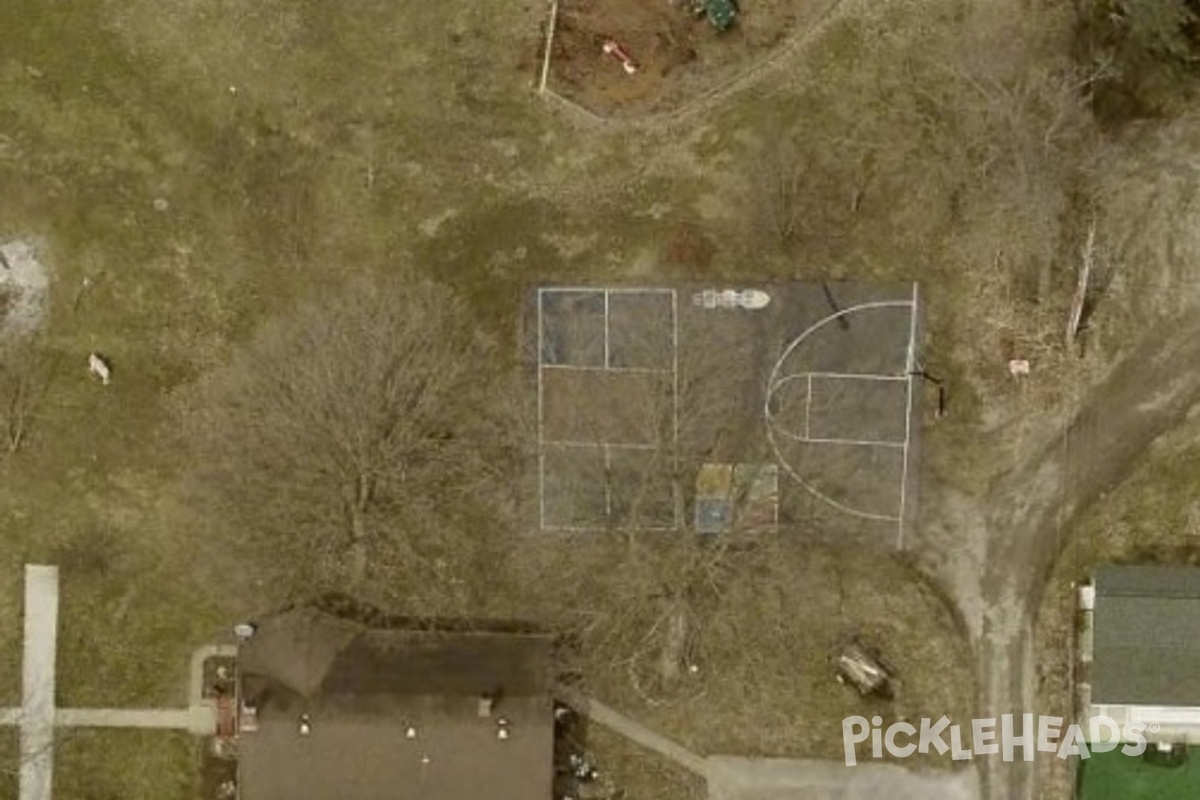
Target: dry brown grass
111 765
640 774
9 748
404 132
1054 647
11 602
761 644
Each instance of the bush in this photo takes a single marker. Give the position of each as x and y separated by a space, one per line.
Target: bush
1148 54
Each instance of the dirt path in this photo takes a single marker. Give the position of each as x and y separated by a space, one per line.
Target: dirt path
199 720
38 682
1028 509
704 103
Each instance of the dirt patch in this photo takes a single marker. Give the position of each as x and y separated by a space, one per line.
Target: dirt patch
218 770
24 282
677 54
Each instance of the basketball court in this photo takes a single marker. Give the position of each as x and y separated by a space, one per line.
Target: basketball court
728 409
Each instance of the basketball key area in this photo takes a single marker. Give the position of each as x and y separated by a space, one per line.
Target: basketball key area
727 410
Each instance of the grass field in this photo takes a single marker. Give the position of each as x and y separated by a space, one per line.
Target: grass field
1114 776
8 757
10 635
112 765
769 645
640 774
299 143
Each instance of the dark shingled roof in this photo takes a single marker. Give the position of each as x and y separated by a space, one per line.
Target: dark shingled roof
1147 636
364 688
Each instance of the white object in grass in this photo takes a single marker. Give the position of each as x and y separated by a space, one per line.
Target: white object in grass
100 368
1018 367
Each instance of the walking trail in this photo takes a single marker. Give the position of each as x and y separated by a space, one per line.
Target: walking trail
38 715
736 778
1025 515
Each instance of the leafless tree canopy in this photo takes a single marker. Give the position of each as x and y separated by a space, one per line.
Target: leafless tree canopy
25 373
362 435
777 192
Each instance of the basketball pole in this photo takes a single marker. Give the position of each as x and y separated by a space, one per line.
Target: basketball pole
941 387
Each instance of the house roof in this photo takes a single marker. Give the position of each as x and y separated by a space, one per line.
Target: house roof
1147 636
362 689
296 649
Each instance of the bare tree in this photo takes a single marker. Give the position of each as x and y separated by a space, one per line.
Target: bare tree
637 592
25 376
776 192
364 433
803 191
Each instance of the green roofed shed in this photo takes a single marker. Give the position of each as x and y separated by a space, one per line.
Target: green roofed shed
1147 636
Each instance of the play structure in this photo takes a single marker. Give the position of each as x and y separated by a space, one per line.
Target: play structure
721 13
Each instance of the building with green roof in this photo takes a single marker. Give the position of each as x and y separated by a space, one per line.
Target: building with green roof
1140 649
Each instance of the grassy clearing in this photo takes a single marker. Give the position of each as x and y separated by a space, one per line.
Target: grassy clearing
337 154
641 774
1152 517
765 685
9 747
403 136
126 765
11 601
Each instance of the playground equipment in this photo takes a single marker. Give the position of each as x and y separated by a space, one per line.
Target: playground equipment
614 49
721 13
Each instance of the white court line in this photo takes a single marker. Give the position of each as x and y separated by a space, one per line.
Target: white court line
908 412
549 44
606 447
795 437
825 321
808 393
541 343
599 289
597 445
774 381
676 505
848 376
602 528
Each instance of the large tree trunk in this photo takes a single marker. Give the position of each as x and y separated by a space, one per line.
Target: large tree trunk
675 639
